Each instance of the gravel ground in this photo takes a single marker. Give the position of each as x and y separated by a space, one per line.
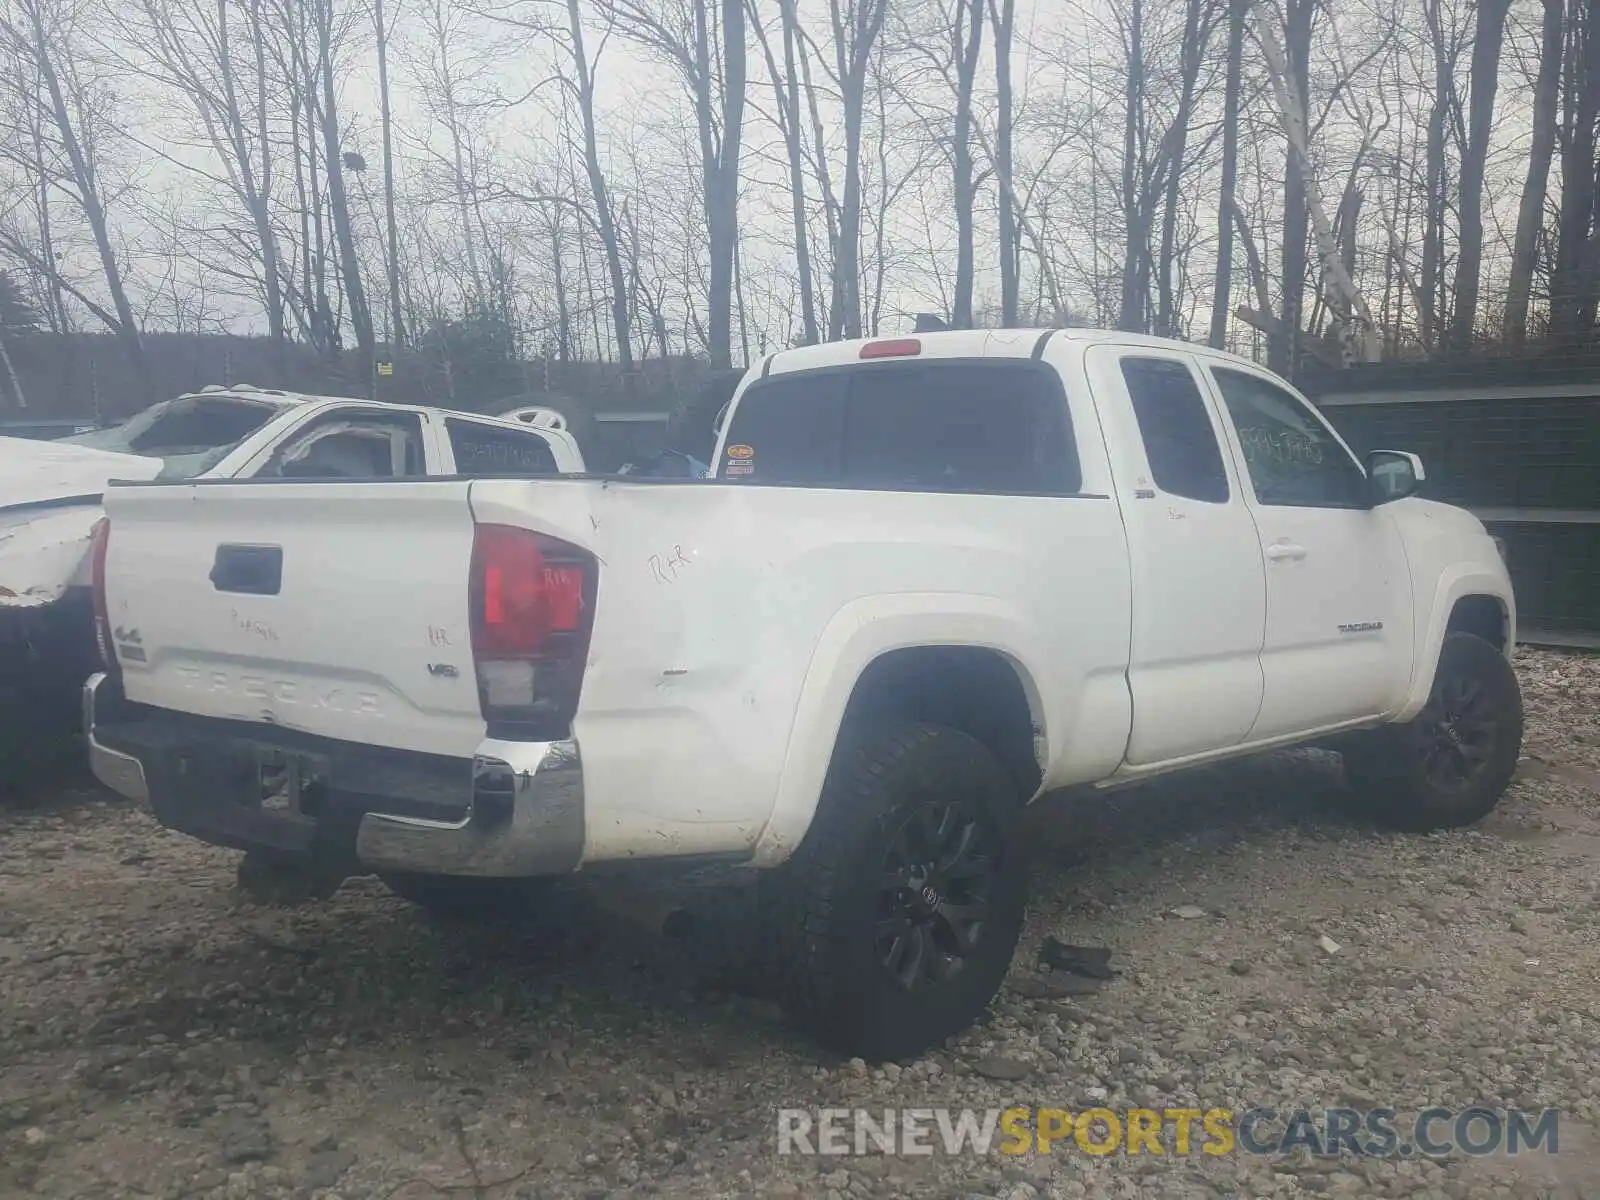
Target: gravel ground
161 1036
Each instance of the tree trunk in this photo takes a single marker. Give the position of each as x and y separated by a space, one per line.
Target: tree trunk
1573 282
344 233
1487 39
1135 302
55 300
786 91
1284 350
855 30
1193 51
1002 15
256 195
1222 288
966 47
1434 183
563 309
397 324
722 179
604 219
1536 186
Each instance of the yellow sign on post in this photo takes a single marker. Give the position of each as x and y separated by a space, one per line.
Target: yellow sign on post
385 368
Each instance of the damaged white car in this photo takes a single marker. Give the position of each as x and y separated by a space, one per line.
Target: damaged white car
50 500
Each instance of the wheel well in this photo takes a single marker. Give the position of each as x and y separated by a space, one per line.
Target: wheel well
1482 616
975 690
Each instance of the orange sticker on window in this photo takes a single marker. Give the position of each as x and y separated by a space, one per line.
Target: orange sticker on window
741 452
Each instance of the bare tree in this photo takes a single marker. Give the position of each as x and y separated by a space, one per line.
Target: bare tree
704 42
1233 85
1002 18
1487 39
327 25
856 25
966 41
397 325
43 35
190 45
785 82
1575 280
1536 183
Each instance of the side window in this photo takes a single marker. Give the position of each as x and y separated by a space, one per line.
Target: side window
490 450
1179 441
1293 458
375 446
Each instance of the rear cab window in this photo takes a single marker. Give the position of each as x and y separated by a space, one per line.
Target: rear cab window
987 426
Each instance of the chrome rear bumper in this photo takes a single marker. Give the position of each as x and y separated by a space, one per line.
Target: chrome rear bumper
515 809
122 773
526 819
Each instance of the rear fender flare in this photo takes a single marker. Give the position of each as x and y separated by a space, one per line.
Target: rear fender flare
860 633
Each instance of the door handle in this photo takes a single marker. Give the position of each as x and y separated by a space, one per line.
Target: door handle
1281 551
248 570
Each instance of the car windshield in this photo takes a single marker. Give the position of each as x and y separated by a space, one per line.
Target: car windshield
117 437
189 434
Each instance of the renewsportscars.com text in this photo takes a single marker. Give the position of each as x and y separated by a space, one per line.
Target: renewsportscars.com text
1373 1132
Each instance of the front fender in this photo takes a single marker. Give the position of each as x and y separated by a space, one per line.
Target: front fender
1455 582
858 634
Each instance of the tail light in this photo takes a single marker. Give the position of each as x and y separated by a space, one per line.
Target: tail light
100 543
892 348
532 600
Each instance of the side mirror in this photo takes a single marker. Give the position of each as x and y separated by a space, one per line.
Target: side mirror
1394 475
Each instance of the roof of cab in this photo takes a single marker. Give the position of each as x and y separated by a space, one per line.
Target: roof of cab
972 343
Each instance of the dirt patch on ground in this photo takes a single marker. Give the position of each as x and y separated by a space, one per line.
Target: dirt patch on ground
161 1037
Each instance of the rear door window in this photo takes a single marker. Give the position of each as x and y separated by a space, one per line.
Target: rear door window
1179 442
982 426
489 450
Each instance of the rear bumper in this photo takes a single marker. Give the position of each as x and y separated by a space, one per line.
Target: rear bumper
515 809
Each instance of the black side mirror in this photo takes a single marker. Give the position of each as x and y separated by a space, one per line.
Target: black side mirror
1394 475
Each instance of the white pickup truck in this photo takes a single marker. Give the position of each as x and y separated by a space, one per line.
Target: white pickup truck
50 500
929 580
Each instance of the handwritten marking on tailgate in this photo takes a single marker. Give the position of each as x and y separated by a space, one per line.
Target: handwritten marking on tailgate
664 567
254 627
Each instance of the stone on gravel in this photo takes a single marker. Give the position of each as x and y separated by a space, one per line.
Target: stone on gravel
324 1168
246 1141
997 1066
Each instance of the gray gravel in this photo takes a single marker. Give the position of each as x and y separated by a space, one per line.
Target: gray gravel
159 1036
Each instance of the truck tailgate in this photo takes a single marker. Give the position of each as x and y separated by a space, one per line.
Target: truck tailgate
333 608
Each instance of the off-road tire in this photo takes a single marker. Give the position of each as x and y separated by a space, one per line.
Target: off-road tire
1449 765
464 898
832 912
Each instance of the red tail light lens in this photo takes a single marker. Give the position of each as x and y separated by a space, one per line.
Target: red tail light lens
99 545
532 601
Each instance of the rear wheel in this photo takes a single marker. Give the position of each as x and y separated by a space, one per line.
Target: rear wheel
898 916
459 897
1450 764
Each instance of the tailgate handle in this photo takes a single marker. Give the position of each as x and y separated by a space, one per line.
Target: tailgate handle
250 570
